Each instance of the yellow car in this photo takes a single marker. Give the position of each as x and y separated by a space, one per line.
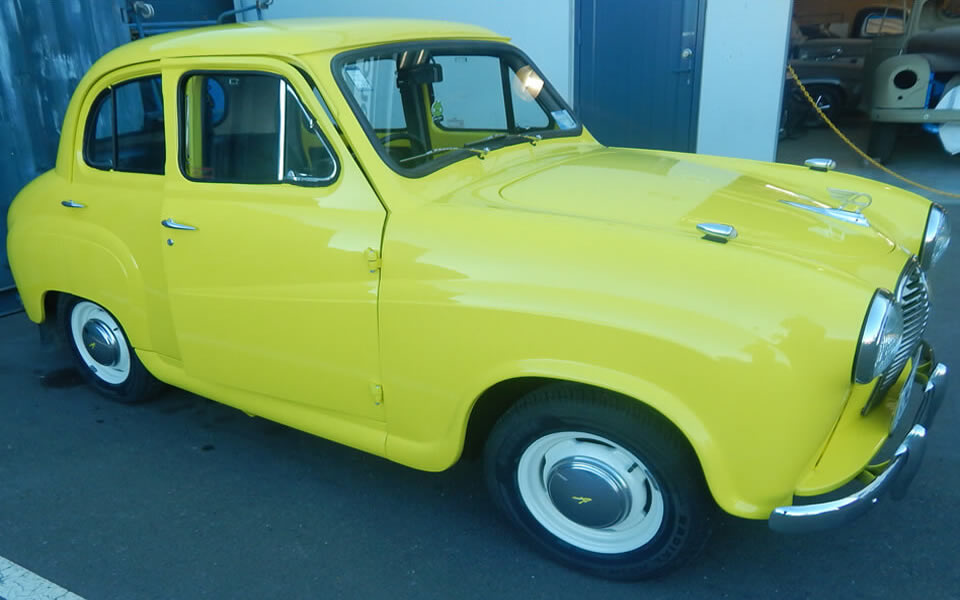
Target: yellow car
398 236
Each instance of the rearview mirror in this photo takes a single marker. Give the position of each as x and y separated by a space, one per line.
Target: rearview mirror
420 74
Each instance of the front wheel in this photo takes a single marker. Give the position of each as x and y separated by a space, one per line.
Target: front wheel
102 353
599 482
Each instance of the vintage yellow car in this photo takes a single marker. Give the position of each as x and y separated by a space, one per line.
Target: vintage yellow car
398 236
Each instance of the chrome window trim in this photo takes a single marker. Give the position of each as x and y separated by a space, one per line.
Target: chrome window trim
312 124
282 128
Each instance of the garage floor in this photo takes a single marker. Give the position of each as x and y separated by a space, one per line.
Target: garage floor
918 156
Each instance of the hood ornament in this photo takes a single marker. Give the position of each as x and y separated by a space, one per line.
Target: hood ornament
848 198
850 209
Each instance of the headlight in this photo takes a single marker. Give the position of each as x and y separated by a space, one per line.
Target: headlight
879 339
936 237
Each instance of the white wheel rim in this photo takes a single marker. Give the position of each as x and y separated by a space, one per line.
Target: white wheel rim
83 315
637 490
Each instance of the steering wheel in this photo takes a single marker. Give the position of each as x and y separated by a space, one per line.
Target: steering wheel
401 135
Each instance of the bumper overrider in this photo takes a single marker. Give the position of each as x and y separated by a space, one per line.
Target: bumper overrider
891 478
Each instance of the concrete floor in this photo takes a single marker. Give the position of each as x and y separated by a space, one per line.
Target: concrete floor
918 156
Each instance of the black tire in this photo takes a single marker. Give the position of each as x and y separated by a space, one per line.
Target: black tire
590 422
883 140
124 380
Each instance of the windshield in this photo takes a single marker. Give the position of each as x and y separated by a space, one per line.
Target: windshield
427 105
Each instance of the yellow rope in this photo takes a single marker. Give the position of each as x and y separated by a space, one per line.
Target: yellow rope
866 157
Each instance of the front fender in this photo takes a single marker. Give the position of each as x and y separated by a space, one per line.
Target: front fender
747 351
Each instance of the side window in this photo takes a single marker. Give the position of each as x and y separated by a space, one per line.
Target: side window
250 128
470 94
98 149
125 128
307 158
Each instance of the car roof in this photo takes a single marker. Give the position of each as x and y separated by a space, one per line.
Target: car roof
287 37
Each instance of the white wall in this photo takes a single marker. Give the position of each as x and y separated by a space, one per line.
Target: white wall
744 58
543 29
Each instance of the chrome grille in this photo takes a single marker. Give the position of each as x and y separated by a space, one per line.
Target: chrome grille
914 301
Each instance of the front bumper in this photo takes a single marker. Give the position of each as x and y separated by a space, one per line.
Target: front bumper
891 478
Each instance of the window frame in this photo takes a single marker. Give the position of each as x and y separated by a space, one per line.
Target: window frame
90 127
476 47
281 131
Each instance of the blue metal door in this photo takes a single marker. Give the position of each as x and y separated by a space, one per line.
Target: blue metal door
637 71
48 47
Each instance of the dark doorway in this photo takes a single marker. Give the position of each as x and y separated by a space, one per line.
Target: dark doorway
637 71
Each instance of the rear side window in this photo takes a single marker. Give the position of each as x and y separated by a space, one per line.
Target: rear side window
250 128
125 128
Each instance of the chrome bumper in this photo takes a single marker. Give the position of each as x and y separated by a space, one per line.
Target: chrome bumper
894 479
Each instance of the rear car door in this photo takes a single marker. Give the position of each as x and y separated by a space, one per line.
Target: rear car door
271 234
115 200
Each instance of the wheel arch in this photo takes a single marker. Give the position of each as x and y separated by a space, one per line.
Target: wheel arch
491 404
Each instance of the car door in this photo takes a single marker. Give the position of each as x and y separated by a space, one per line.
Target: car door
115 200
271 236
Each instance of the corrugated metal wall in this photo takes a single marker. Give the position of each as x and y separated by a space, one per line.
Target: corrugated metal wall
45 48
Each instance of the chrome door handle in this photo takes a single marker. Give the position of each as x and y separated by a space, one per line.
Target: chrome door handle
174 225
72 204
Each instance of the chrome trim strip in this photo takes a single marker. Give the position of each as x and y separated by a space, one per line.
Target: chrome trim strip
894 480
854 218
281 128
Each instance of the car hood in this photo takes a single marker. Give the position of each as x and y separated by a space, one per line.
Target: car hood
678 191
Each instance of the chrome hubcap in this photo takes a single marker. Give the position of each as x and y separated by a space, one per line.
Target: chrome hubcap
588 492
101 343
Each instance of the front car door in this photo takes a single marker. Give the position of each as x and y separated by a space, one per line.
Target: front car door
270 234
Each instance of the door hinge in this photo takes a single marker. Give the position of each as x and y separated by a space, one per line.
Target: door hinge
376 390
373 260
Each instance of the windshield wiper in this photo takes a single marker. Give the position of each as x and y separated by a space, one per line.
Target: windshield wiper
480 153
533 139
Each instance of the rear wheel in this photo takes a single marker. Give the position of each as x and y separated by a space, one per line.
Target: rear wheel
102 353
599 482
